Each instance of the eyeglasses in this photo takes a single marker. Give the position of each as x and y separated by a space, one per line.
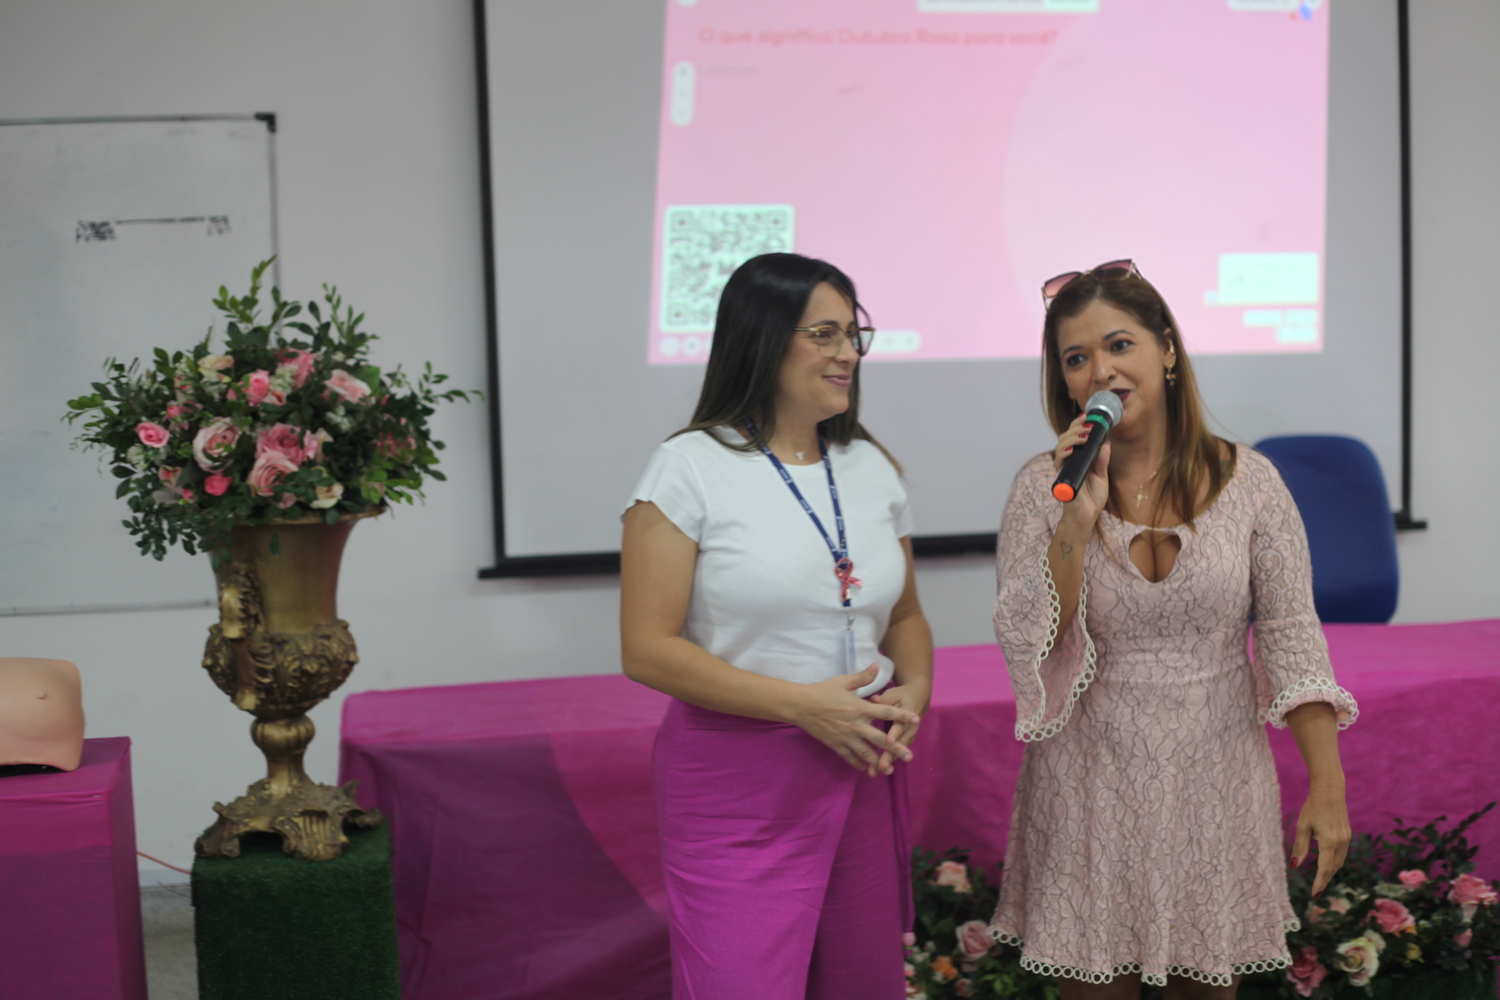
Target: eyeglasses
829 338
1113 269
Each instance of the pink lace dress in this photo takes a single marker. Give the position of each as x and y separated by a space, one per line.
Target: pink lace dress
1146 836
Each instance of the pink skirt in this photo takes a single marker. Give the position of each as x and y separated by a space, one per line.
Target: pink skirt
787 871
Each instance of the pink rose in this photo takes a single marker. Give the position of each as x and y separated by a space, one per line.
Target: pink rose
909 939
1393 918
174 410
1471 893
297 445
963 988
301 363
168 475
955 875
1306 971
187 494
257 387
151 435
286 500
1412 879
347 386
213 443
1361 957
390 446
216 484
1462 940
269 470
1336 904
974 940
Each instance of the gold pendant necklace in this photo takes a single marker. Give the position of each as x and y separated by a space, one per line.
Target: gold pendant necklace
1140 493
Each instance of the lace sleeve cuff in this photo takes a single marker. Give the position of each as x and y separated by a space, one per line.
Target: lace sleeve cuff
1310 689
1038 726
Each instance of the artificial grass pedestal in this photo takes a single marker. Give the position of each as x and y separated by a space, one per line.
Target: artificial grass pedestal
270 926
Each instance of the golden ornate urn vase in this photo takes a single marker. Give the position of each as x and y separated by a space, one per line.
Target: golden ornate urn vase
278 650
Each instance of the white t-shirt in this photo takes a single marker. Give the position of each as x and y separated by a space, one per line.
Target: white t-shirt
765 597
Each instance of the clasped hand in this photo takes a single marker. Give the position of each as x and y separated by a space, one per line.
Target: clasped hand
833 714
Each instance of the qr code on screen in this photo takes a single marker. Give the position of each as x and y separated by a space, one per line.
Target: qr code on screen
701 247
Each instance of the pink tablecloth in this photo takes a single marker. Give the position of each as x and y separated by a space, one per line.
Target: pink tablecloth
525 838
70 904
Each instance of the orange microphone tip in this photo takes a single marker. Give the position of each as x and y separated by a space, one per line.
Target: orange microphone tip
1063 492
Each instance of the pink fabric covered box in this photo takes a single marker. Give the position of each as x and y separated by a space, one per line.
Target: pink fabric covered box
70 902
525 835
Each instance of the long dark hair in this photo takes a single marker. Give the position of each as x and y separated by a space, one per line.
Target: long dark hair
1193 455
762 302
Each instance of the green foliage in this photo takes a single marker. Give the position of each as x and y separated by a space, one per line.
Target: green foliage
1442 939
938 966
1371 873
359 436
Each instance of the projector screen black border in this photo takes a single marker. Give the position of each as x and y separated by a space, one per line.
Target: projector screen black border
923 546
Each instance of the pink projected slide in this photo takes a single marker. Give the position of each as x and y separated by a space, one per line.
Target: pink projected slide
951 155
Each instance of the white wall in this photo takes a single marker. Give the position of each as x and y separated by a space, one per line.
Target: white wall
1452 570
378 172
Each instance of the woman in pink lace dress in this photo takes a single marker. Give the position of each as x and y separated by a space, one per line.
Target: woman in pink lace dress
1145 844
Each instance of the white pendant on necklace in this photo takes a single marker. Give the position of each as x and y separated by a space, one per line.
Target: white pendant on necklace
801 456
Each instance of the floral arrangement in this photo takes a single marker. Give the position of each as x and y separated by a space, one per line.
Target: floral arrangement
271 429
1404 904
1406 908
949 952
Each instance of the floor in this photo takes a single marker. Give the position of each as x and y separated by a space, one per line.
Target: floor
171 961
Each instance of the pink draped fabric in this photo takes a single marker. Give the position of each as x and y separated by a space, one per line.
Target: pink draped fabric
1424 746
526 837
70 908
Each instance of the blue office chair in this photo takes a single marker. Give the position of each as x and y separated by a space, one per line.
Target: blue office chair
1340 492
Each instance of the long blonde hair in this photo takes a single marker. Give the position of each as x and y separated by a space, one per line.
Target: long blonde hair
1193 451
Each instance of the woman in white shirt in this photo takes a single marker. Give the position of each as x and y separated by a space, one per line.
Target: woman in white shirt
767 586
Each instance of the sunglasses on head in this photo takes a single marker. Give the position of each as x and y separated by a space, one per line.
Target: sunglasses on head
1113 269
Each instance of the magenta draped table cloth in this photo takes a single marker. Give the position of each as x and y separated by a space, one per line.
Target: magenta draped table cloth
70 899
525 838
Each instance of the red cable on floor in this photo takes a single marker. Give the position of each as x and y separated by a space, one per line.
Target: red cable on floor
163 863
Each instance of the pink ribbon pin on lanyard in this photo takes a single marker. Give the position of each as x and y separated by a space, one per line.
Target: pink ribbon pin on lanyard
848 582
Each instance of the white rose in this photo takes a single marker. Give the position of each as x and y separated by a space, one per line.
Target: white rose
328 496
1361 957
283 377
323 438
213 366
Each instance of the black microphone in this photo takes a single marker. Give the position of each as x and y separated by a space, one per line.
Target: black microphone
1102 413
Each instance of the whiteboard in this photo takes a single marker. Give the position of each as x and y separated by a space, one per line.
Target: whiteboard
115 235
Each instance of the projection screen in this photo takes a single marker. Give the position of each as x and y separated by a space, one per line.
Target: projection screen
949 155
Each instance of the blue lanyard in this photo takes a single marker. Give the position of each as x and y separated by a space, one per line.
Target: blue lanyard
843 566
